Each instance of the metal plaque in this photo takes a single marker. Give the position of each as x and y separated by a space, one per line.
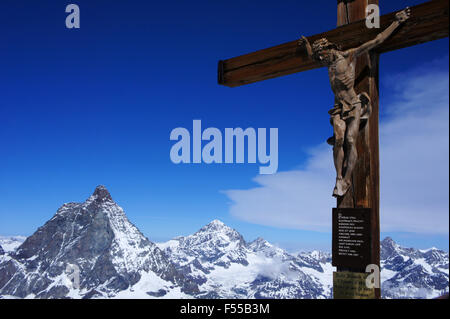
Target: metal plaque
351 285
351 237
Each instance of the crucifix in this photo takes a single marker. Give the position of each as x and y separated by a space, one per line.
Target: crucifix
351 53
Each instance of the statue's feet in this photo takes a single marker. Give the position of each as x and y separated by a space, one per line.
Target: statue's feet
341 187
335 192
337 187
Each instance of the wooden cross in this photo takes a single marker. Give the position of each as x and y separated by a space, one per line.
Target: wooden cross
429 21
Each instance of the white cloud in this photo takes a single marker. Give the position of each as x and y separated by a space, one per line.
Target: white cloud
414 168
274 268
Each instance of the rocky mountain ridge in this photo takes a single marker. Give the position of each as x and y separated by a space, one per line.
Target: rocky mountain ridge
109 253
95 242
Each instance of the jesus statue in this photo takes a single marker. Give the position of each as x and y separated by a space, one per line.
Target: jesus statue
351 111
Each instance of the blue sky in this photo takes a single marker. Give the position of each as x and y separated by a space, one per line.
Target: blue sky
96 106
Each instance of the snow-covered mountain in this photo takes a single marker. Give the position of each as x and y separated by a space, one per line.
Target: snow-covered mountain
96 239
115 260
413 273
224 265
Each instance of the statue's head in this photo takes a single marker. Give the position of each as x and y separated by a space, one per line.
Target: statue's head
322 50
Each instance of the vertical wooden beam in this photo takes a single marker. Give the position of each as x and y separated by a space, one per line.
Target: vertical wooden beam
365 182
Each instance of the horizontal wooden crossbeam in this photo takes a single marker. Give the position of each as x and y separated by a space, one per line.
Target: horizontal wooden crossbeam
429 21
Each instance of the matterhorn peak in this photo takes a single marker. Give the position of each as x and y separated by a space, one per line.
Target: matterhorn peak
110 253
101 193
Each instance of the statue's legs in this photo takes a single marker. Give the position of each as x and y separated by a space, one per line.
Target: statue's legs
339 127
351 137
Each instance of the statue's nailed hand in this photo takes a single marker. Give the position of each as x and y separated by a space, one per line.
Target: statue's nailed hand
403 15
302 41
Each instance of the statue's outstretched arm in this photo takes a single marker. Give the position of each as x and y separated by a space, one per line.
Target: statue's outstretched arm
400 17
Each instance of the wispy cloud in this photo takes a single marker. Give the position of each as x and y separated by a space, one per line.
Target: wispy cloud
414 168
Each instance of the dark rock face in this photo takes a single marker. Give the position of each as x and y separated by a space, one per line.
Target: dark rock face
159 293
2 252
109 253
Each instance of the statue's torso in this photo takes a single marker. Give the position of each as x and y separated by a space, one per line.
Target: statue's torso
342 78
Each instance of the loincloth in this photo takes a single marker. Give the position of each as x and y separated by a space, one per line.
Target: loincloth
347 110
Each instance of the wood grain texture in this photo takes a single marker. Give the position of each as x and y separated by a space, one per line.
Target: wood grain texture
365 190
429 21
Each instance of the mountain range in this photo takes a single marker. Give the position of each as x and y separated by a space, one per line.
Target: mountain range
92 250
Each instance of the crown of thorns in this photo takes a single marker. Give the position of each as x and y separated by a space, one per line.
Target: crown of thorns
322 44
